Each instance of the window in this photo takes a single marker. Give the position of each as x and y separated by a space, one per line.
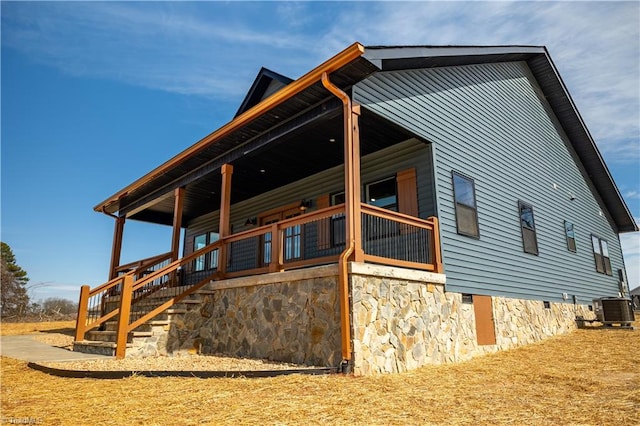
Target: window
570 236
528 227
199 241
338 222
293 238
601 255
213 255
208 260
383 193
464 194
292 235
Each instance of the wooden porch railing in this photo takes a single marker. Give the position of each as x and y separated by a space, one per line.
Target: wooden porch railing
311 239
398 239
144 266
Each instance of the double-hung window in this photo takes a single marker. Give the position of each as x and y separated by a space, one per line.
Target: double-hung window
528 228
464 194
570 235
601 255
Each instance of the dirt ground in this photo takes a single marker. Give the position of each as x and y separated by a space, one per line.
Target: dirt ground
588 377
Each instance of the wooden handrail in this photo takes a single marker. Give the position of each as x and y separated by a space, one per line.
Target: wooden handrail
397 217
142 264
173 266
159 309
286 223
108 284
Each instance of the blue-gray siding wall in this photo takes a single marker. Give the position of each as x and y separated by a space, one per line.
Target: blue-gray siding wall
491 123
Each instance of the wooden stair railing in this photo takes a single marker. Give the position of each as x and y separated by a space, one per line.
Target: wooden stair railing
92 311
129 290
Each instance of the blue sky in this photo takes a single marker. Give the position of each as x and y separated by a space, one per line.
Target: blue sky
94 95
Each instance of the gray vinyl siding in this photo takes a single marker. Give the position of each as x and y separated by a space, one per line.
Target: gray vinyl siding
376 166
489 122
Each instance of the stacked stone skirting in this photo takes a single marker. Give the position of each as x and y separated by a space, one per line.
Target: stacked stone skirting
289 317
404 319
400 319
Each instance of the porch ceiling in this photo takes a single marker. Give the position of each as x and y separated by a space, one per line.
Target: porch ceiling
298 154
300 119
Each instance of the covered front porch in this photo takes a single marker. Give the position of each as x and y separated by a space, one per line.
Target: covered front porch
259 196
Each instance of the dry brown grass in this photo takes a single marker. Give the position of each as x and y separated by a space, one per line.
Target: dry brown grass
589 377
18 328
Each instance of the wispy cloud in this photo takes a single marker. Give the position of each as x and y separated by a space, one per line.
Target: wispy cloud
632 194
214 49
168 46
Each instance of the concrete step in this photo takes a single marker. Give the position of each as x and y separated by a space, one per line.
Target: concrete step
111 335
100 348
113 325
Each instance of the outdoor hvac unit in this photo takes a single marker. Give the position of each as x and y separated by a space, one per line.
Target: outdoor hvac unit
613 310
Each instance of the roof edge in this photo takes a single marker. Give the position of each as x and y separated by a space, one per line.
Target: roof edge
633 227
352 52
397 52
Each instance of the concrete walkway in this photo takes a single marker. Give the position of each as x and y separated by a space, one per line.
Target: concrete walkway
26 348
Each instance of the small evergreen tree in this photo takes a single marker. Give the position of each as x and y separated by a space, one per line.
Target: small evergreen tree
14 300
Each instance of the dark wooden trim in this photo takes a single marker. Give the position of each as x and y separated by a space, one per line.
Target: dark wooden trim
121 374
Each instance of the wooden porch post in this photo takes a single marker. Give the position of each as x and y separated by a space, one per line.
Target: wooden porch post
358 253
116 247
352 181
123 318
225 211
177 223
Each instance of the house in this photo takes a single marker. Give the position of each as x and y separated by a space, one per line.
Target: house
393 207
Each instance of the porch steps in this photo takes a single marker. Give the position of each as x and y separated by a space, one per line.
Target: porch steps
103 340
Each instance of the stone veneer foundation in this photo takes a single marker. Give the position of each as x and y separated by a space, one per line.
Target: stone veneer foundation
289 316
404 319
401 319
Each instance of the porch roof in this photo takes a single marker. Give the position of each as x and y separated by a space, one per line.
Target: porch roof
298 121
